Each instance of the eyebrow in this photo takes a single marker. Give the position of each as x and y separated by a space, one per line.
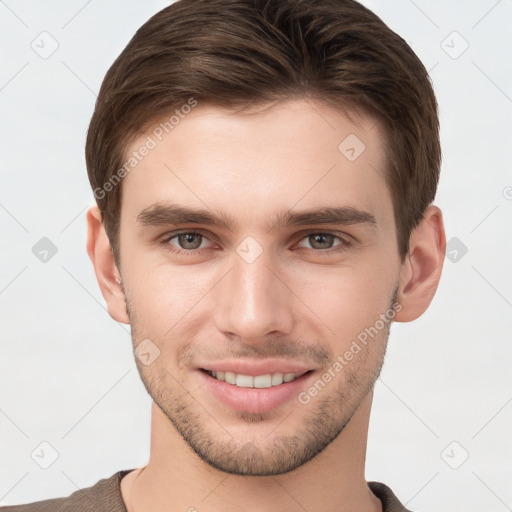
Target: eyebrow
172 214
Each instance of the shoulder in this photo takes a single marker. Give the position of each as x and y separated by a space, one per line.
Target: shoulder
103 496
390 503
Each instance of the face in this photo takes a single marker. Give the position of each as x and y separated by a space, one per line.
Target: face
259 263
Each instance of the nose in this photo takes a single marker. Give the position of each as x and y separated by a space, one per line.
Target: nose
253 300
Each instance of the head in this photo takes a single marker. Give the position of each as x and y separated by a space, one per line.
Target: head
264 173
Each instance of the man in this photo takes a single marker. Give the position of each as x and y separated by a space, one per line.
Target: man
264 172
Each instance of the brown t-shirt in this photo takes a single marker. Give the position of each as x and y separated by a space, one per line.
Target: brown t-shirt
105 496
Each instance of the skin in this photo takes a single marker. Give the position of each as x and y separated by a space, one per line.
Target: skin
298 300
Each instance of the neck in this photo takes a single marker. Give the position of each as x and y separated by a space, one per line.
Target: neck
175 477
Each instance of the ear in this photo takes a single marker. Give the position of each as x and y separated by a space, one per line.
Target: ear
107 273
421 270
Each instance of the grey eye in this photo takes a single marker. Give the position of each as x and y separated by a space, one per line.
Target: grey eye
189 240
321 241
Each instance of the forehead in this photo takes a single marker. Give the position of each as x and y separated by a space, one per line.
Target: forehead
293 155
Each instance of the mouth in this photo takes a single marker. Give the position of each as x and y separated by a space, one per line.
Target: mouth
267 380
255 394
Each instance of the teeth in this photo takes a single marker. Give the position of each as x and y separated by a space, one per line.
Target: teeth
263 381
244 381
277 379
229 377
260 381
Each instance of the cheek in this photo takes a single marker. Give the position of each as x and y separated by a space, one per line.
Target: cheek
163 298
346 300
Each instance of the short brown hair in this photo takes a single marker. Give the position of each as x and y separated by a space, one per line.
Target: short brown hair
235 52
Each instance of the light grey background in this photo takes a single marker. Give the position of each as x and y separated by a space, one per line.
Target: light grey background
67 372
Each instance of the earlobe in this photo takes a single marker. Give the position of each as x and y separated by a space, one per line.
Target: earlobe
421 270
107 273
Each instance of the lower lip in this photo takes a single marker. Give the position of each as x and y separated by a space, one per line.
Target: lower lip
254 400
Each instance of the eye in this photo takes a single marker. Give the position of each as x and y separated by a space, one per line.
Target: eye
325 242
186 241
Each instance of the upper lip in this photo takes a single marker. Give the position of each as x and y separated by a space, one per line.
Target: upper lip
253 368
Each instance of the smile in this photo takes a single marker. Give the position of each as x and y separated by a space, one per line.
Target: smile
267 380
257 393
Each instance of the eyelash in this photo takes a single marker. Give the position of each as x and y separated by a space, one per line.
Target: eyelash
192 252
